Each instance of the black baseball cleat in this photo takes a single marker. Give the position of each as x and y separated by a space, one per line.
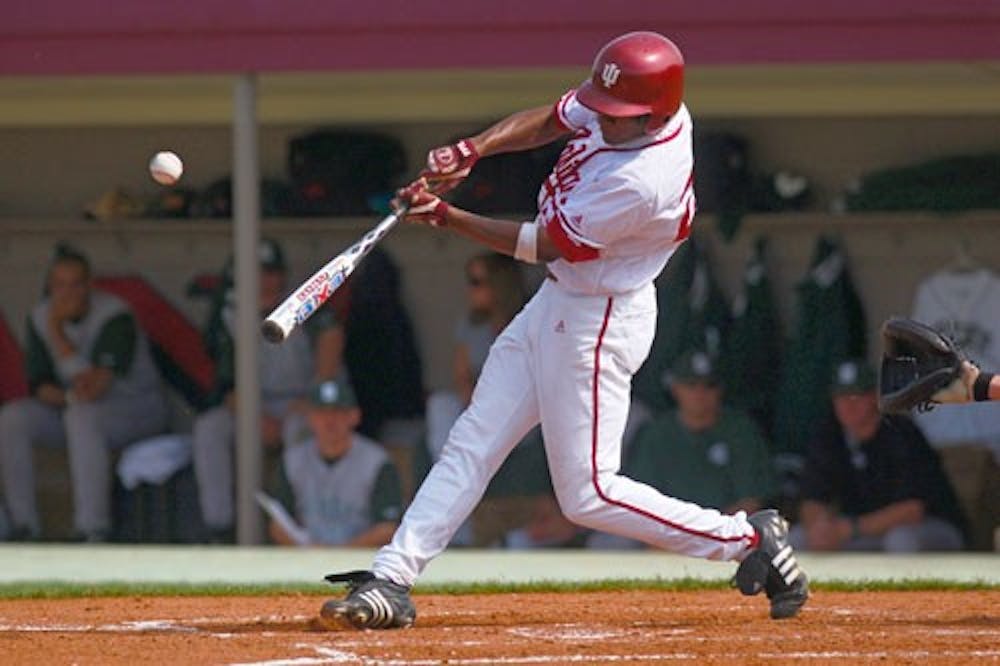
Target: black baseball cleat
772 567
371 603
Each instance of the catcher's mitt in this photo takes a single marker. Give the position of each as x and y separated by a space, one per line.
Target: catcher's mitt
920 368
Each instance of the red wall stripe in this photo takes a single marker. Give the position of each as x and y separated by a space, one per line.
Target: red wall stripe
106 37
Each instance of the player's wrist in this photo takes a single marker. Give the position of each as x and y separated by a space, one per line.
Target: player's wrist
981 386
441 213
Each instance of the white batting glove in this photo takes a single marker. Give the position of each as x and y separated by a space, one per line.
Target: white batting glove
447 166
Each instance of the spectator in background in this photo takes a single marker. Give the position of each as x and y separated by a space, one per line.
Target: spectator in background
702 451
339 485
872 482
494 294
94 388
286 373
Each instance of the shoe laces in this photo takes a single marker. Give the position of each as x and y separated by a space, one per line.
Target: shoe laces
353 579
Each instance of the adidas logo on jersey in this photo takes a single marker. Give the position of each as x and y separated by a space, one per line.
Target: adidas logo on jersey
560 327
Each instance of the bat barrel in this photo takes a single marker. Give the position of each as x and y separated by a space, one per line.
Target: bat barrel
312 293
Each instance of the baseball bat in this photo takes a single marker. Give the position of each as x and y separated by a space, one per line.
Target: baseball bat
311 294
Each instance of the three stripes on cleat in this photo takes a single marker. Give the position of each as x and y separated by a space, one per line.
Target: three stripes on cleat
786 565
381 610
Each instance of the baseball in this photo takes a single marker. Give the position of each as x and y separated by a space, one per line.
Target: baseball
166 167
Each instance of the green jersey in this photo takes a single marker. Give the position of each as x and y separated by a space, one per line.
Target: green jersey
713 468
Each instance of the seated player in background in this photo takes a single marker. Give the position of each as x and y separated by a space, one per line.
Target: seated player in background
701 451
872 482
286 372
339 485
547 527
494 294
94 389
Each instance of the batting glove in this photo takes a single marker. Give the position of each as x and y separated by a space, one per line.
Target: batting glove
425 207
448 166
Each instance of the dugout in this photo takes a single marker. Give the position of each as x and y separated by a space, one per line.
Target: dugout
828 92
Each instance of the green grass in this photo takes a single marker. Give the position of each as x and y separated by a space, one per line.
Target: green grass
63 590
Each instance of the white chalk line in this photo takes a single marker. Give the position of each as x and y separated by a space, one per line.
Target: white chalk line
324 654
149 626
327 655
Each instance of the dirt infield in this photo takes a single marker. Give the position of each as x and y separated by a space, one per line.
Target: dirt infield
713 627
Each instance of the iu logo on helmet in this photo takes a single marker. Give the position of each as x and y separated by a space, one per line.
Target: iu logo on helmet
610 73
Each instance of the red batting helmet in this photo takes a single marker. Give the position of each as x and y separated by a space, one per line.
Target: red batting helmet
636 74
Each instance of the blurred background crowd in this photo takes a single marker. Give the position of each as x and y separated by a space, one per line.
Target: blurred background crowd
836 185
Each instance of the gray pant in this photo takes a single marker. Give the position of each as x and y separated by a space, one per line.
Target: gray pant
90 430
931 534
214 433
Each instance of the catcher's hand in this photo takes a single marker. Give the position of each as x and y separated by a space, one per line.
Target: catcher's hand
921 368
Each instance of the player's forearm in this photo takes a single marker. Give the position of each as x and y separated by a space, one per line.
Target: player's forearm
377 535
811 512
993 389
51 394
279 535
519 131
498 235
876 523
747 504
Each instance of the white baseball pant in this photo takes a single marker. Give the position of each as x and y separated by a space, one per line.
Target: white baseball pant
566 360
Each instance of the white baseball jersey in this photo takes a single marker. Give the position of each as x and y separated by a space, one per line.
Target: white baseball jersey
616 213
964 305
630 204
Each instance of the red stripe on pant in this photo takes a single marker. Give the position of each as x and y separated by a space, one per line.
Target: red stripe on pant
593 452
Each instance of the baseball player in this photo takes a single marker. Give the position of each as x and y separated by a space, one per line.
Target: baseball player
616 206
341 485
91 373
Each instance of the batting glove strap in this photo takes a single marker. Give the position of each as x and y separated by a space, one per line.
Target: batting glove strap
433 212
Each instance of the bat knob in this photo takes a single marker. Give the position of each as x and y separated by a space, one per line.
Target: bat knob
272 332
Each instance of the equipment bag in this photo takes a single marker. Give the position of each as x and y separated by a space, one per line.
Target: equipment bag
340 172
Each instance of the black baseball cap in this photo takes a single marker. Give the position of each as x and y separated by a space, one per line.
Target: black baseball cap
693 367
853 376
333 393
